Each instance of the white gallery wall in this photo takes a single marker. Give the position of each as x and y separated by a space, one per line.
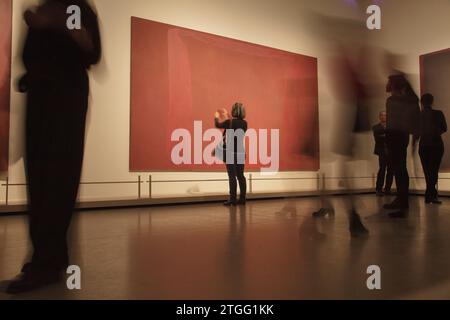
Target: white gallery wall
276 23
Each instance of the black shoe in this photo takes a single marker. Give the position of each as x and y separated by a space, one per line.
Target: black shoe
388 192
323 212
241 202
436 201
396 204
357 229
391 206
27 267
29 281
230 203
380 194
401 214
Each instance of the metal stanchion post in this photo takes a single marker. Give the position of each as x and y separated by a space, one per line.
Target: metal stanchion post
7 192
139 187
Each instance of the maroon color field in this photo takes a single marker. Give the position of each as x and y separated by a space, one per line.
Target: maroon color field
179 76
5 76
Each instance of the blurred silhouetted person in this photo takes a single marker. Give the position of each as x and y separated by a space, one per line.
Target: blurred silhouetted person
235 129
385 172
351 79
431 147
57 86
403 113
351 89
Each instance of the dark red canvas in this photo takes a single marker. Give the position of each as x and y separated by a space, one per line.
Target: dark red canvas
5 76
434 79
179 76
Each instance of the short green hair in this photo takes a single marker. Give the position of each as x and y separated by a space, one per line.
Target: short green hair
238 111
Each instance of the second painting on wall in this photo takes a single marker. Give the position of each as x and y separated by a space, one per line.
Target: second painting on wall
435 77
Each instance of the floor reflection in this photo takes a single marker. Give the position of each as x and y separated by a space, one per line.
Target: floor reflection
270 249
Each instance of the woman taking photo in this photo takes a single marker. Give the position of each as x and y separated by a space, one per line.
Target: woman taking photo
235 129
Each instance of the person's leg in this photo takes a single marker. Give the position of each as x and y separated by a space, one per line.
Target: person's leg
403 174
381 173
401 203
425 158
394 159
397 146
36 147
232 175
242 182
436 160
389 178
65 135
356 226
326 205
56 171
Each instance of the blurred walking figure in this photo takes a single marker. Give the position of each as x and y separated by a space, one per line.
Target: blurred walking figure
235 129
431 147
353 95
403 113
57 86
351 80
385 172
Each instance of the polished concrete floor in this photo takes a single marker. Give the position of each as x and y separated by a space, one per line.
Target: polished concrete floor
270 249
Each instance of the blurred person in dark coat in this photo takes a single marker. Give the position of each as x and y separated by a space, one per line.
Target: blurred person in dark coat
353 95
350 78
403 113
57 85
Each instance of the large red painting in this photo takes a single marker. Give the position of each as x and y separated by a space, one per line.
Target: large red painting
179 76
5 76
434 79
